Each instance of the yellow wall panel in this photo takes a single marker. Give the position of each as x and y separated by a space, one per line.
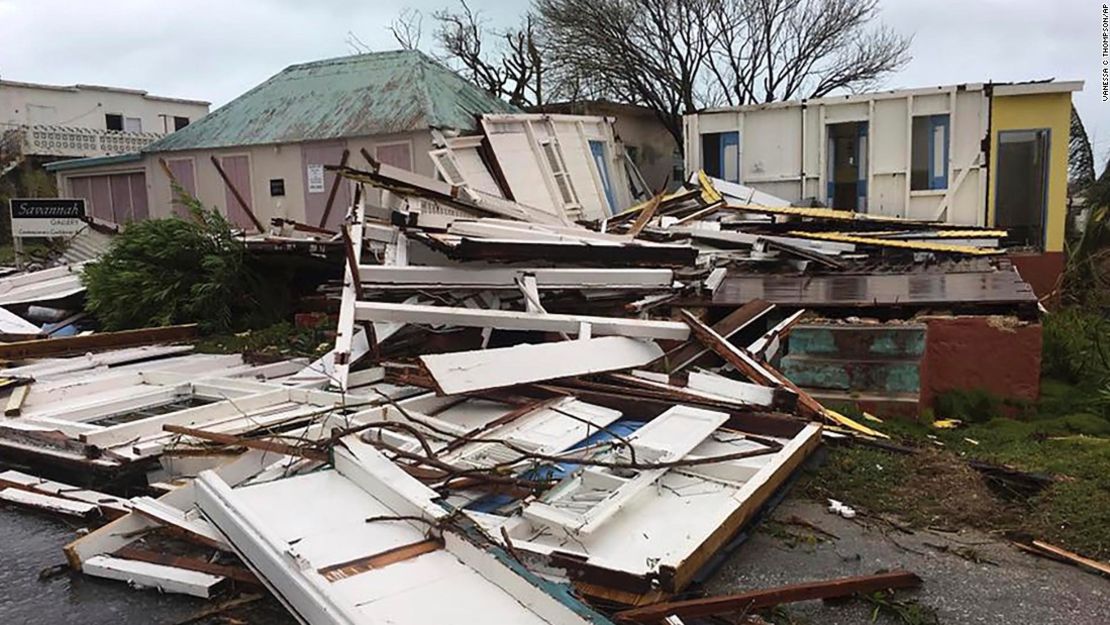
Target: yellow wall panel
1030 112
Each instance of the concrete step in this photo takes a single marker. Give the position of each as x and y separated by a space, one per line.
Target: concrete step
857 341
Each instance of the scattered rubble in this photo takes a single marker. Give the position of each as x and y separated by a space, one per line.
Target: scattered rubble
539 408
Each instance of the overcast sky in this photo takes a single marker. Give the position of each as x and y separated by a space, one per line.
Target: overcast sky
217 49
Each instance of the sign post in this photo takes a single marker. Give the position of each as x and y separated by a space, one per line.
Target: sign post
44 217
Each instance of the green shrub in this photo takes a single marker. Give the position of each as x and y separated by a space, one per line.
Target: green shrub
1076 345
170 271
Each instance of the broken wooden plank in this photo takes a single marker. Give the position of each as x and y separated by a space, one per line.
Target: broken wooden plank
15 400
1073 558
769 597
238 573
110 506
49 503
149 575
738 357
514 320
685 355
41 348
467 372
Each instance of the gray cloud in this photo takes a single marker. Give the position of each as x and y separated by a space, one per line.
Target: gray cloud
215 50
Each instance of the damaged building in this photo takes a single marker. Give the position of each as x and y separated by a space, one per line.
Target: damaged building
980 154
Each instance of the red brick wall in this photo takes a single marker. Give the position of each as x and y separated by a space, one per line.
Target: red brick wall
1041 271
997 354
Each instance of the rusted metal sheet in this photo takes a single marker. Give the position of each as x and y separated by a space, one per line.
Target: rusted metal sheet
907 289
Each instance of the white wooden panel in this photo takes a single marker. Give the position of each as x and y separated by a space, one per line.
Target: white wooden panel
463 372
772 147
888 137
849 112
148 575
513 320
933 104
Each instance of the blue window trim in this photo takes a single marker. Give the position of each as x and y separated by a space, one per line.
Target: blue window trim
938 180
729 140
597 148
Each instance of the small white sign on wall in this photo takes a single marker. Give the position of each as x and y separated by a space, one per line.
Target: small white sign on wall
315 178
47 217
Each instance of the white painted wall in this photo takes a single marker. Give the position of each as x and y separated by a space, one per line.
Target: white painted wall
84 106
783 148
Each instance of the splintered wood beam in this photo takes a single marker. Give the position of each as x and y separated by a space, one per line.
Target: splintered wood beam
334 190
249 443
352 259
747 364
235 192
738 357
40 348
336 572
645 216
690 352
748 602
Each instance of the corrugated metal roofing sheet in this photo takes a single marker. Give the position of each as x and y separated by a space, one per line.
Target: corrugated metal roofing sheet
352 96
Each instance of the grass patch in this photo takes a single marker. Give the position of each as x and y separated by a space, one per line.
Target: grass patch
1065 435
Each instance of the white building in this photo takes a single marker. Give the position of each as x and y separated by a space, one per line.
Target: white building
84 120
974 154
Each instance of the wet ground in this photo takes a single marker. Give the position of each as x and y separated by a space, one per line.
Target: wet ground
31 542
991 582
969 577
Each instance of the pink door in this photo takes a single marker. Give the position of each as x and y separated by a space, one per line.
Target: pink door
137 182
238 171
182 169
101 198
318 181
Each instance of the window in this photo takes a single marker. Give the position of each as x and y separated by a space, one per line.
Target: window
132 124
113 121
180 122
720 155
929 165
558 167
277 187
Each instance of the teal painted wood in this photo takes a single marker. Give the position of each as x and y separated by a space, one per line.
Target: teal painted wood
851 341
351 96
874 376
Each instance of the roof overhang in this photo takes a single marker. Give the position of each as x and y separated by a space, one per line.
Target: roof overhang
93 161
1038 88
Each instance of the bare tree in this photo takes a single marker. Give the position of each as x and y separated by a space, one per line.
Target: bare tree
507 63
675 56
408 28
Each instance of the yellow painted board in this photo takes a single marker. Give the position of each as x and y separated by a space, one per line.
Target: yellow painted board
906 245
823 213
1051 111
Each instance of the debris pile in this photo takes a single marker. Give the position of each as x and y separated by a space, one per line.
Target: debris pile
536 409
